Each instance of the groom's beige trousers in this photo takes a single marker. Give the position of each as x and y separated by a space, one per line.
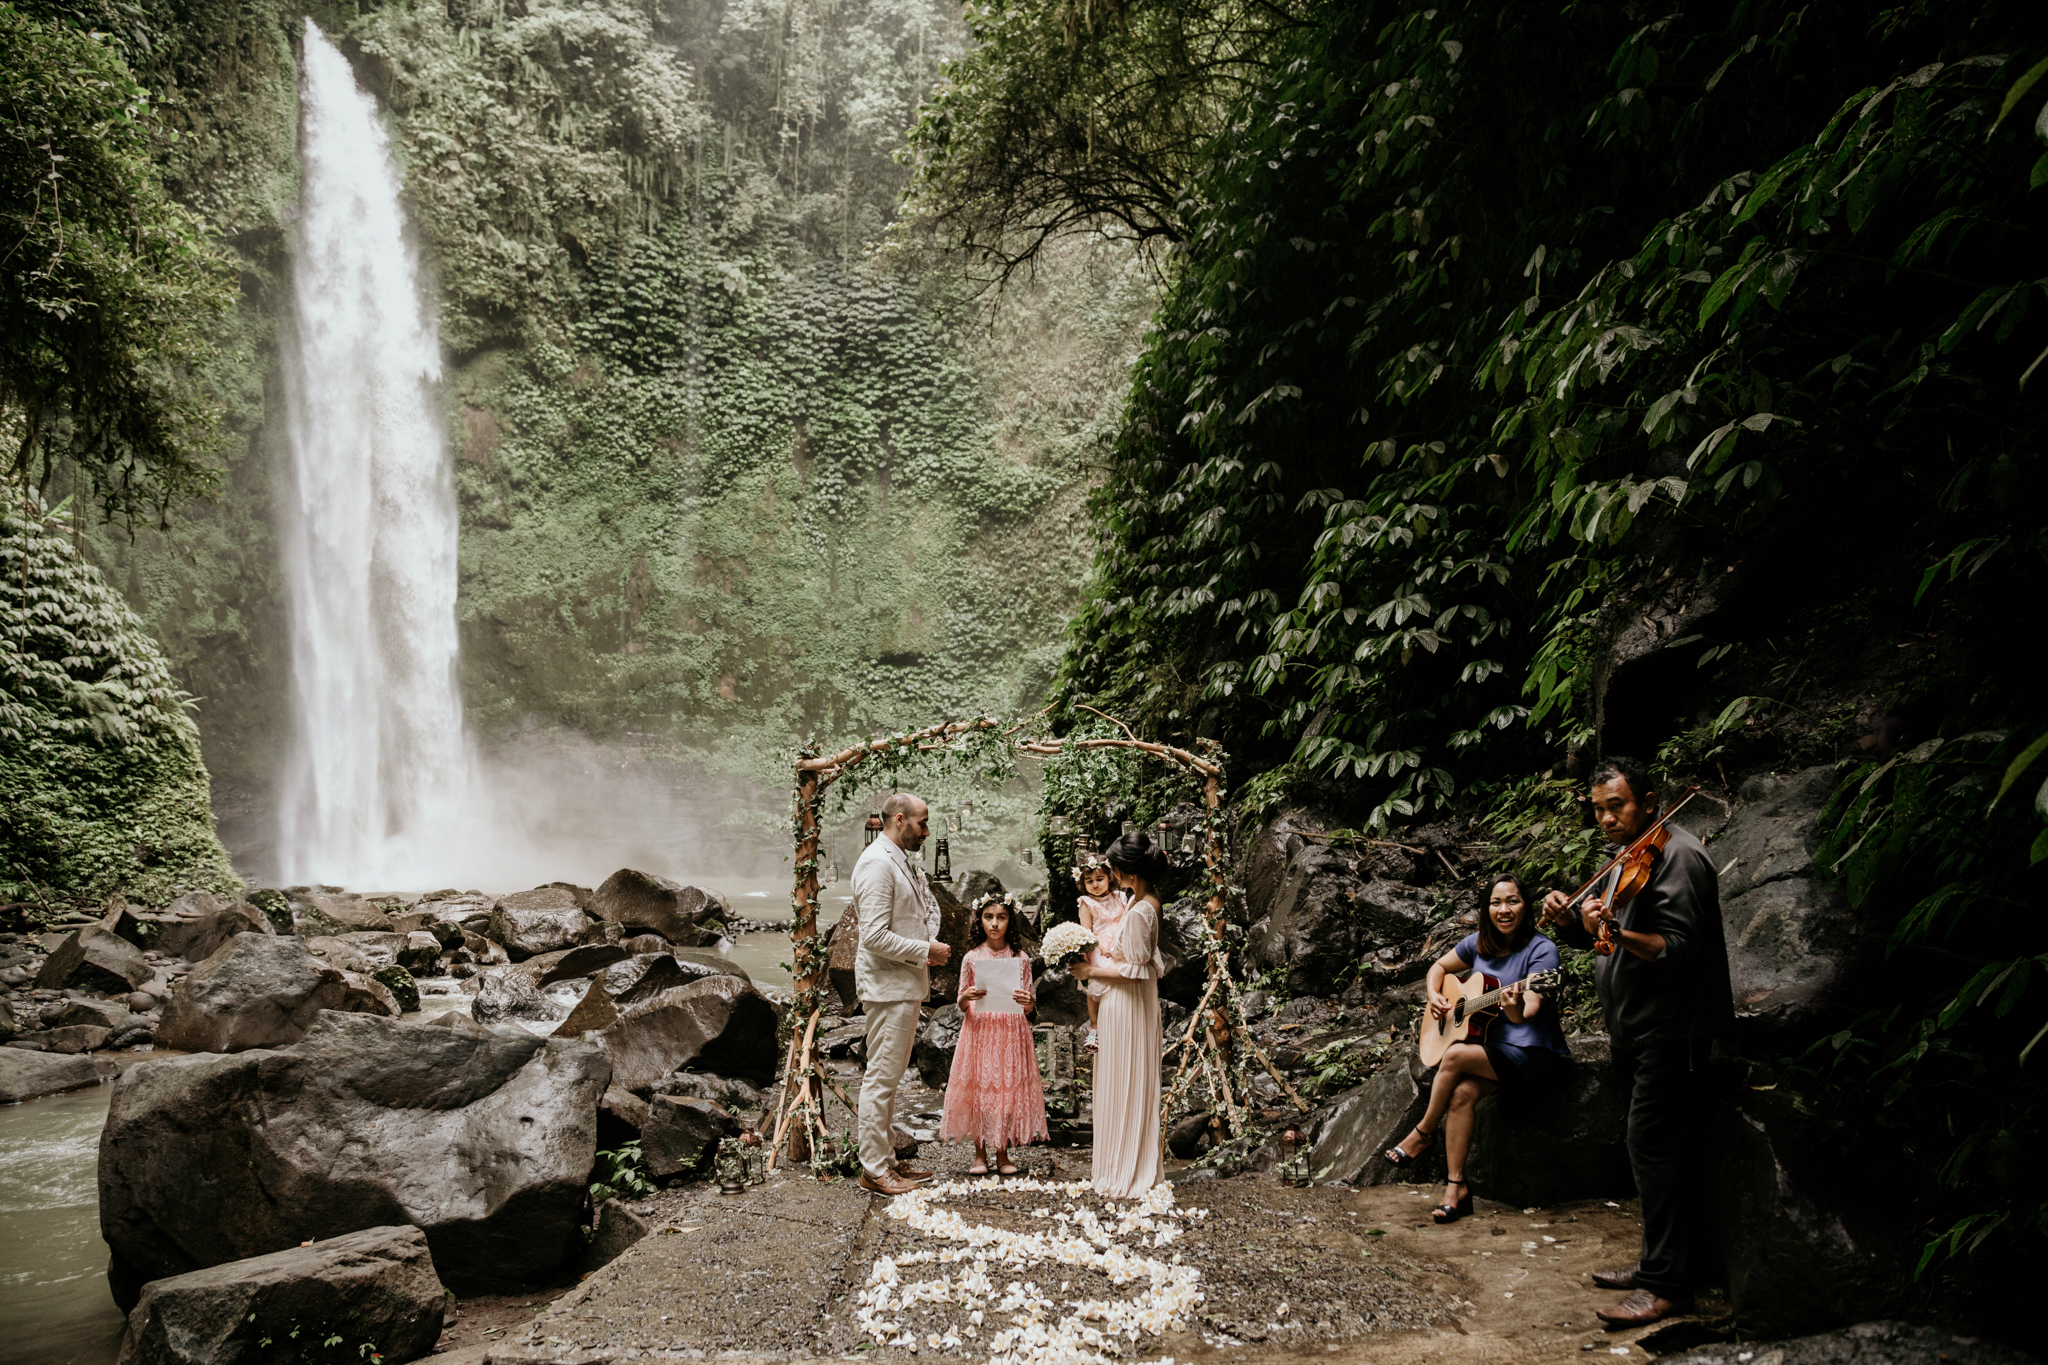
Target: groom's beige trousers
892 1031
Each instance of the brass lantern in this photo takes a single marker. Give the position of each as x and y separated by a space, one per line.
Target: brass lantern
942 859
874 826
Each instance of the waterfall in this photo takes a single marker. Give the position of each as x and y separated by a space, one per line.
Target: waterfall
378 788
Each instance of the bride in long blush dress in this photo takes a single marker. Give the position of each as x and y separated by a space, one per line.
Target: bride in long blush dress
1127 1145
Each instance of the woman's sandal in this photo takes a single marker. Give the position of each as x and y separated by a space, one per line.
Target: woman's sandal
1006 1169
977 1169
1397 1157
1451 1213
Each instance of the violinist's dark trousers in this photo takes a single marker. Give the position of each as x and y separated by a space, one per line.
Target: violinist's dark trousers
1667 1085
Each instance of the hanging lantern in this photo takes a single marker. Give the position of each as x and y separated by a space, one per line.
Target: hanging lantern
942 859
831 874
1128 828
953 822
1059 827
1025 853
966 811
1169 837
874 826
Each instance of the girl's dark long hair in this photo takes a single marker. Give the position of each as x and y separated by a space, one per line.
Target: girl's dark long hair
1491 944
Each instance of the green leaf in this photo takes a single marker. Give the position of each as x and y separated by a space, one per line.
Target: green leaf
2040 850
2018 92
2019 765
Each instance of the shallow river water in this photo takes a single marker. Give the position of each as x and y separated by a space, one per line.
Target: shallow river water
53 1266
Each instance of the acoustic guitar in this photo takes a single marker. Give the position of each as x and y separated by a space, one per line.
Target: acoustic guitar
1475 1005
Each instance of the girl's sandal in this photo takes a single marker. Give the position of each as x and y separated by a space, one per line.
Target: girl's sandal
1395 1156
1006 1169
977 1169
1451 1213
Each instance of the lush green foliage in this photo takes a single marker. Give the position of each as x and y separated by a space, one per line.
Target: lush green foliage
110 285
1510 346
101 787
1944 843
1501 325
1063 114
725 485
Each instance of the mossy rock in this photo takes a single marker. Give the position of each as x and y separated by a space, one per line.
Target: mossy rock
276 907
401 984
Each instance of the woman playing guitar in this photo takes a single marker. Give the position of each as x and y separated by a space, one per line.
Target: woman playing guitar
1520 1054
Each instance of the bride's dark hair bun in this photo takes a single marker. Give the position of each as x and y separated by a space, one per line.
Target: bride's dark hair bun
1137 854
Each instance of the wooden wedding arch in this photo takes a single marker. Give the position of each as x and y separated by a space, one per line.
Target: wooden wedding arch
1214 1052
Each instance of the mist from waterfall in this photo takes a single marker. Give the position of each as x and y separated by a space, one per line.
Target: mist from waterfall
379 786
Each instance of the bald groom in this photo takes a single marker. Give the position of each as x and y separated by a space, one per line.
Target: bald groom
899 945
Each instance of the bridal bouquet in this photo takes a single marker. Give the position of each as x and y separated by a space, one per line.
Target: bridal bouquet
1065 945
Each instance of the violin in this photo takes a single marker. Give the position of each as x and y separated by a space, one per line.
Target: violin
1635 862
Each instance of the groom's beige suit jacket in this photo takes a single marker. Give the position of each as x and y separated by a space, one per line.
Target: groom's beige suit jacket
898 918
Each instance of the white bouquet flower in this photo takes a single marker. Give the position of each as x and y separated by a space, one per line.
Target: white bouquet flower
1066 944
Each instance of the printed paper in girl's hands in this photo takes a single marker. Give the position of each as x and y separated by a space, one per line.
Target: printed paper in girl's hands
1002 978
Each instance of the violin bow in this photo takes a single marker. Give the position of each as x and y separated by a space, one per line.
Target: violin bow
1611 863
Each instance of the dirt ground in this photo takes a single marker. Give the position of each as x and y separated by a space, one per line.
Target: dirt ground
1326 1274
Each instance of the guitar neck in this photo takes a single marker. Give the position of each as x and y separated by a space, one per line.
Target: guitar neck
1492 997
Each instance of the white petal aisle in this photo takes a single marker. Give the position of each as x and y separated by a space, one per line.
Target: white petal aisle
1024 1324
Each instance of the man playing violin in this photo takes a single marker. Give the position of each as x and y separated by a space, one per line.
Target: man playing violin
1664 990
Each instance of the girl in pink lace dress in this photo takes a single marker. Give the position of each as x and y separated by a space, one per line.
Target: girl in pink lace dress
993 1095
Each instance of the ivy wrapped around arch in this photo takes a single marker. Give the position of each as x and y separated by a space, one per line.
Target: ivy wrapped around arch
1214 1053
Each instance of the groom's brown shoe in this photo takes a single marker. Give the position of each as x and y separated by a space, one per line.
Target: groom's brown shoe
1616 1279
906 1171
888 1184
1639 1309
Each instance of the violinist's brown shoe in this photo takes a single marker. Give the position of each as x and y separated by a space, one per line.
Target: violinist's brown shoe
1640 1309
888 1184
1616 1279
905 1171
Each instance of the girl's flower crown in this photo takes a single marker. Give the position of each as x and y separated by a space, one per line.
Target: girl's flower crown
1090 862
1009 900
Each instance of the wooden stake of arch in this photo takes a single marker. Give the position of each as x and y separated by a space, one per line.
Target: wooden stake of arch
1209 1049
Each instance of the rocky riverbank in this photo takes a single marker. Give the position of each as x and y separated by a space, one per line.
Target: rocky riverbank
603 1062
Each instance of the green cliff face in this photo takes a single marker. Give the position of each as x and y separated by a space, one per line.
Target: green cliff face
101 785
728 479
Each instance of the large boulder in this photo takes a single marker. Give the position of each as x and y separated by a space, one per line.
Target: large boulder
95 959
681 1135
719 1024
1567 1144
587 960
258 991
101 1013
937 1041
1804 1244
640 900
338 952
545 920
484 1140
198 924
75 1038
1867 1343
30 1075
376 1287
1792 937
1350 1134
329 912
1329 911
1267 859
508 997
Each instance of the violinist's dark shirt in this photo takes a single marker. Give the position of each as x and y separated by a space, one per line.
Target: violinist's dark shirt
1683 995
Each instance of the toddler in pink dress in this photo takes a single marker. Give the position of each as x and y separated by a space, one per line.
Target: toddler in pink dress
1101 908
993 1094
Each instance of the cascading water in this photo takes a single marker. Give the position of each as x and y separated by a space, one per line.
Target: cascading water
378 790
